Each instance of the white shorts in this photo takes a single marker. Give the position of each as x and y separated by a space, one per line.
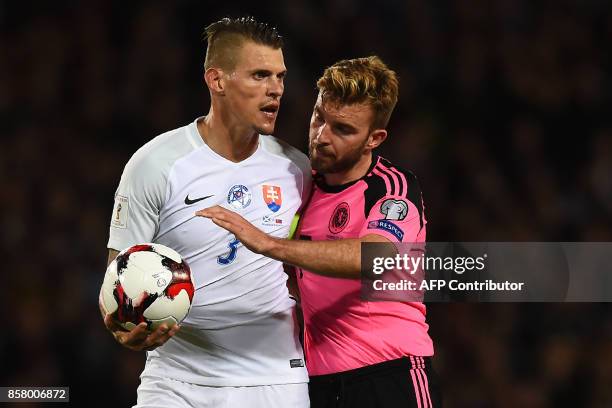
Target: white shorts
157 392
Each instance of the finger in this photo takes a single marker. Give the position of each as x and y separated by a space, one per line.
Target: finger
203 213
210 213
174 329
207 212
160 341
159 337
111 324
216 217
120 337
171 331
108 322
220 212
157 334
225 224
137 335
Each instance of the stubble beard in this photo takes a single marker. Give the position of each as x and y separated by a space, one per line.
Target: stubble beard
263 131
328 164
264 128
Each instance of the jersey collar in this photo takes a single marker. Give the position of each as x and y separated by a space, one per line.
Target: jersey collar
320 180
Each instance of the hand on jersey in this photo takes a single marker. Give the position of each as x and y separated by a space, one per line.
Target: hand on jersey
245 232
139 338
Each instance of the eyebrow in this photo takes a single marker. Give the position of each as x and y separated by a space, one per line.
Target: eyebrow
345 126
267 71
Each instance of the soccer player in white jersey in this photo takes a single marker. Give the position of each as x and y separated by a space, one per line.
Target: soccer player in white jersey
360 353
238 346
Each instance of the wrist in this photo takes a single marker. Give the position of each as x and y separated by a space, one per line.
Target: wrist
271 247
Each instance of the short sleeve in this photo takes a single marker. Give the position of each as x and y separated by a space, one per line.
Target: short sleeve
138 201
399 218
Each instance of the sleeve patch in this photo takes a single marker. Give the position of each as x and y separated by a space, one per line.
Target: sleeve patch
120 212
388 226
394 209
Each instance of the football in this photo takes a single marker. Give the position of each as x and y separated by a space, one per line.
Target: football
147 283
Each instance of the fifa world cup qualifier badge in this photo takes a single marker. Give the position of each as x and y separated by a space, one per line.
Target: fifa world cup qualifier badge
394 209
120 212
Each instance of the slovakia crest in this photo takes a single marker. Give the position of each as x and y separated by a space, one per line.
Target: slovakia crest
272 196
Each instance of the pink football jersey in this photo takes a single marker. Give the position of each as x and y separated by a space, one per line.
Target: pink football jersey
343 332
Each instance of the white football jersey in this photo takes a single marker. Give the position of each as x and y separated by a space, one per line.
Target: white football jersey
241 329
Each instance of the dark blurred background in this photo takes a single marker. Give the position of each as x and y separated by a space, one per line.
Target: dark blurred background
504 115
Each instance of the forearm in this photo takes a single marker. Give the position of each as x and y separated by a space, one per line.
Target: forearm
339 259
112 254
335 258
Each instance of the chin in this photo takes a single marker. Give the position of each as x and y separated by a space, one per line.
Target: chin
320 166
265 129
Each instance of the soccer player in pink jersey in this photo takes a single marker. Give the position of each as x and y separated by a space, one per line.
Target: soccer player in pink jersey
358 353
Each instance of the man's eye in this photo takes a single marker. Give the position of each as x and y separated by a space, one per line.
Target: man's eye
259 75
342 130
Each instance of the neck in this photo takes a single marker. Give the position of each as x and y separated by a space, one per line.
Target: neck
356 172
235 143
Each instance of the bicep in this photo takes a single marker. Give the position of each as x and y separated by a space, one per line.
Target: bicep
112 253
138 202
378 249
375 238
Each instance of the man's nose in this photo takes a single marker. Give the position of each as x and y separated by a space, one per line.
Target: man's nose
323 132
276 87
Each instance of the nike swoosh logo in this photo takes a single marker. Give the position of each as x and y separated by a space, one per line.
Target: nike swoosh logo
188 201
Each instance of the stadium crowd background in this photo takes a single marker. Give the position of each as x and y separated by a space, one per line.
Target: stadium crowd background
503 115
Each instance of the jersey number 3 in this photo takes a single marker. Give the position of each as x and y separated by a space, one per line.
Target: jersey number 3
231 255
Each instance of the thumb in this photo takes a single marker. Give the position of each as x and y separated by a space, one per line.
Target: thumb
111 324
202 213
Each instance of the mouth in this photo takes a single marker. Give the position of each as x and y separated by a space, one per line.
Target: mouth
270 110
321 150
321 153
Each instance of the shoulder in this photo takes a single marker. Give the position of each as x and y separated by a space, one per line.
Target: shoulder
396 180
156 157
387 180
285 151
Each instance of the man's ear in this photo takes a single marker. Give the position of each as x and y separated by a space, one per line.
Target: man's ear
377 136
214 80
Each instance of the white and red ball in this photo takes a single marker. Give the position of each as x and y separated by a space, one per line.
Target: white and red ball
147 283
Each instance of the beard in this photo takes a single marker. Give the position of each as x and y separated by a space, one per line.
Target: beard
327 163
